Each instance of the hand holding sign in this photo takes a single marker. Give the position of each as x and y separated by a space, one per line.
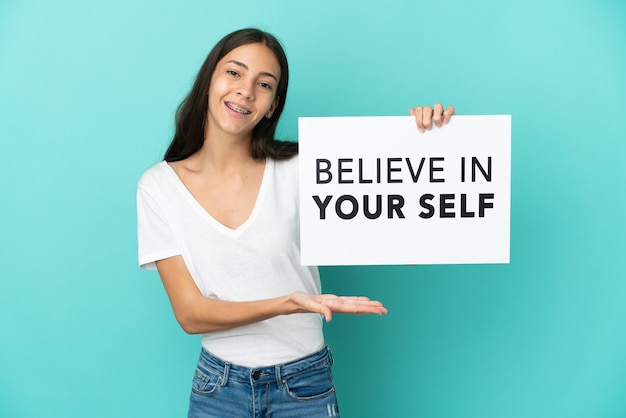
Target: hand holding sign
426 116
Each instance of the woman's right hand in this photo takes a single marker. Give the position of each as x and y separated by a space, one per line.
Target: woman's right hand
328 304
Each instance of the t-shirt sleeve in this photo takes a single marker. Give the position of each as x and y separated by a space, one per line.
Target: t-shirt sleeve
154 234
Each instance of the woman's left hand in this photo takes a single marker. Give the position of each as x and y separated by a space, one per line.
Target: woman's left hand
425 116
328 304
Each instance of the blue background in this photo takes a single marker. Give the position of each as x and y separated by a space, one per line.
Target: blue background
87 96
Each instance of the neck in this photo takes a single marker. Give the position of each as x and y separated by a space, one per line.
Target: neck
223 152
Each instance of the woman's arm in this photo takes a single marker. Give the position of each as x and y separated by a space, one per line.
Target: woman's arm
197 314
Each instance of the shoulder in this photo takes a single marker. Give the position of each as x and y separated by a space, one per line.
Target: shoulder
291 165
154 175
287 170
287 174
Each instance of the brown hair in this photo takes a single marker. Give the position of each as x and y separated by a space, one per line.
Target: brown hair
192 113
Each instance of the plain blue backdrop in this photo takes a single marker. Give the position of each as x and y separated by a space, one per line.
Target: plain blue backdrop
88 92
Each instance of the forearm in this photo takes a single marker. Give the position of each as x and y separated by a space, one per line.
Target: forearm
202 315
198 314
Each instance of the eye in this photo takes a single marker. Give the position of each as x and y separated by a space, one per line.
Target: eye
265 85
233 73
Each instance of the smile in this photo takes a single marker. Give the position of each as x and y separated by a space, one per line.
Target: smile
237 109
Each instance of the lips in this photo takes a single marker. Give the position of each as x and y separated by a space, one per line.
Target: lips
237 109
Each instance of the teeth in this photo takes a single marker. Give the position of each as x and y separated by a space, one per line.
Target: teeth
237 109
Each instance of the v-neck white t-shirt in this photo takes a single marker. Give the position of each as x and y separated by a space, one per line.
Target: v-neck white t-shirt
258 260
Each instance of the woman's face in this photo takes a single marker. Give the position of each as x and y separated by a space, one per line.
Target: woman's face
243 90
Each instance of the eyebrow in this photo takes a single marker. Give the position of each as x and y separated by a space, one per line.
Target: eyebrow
241 64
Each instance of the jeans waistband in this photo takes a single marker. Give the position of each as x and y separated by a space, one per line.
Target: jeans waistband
321 358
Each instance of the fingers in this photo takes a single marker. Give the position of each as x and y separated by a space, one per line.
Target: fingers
448 114
329 304
438 115
419 119
425 116
318 306
327 312
353 305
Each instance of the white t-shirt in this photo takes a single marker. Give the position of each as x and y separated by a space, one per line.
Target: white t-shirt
258 260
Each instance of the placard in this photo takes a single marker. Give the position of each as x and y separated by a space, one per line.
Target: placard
373 190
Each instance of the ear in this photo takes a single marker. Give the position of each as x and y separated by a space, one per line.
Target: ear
272 108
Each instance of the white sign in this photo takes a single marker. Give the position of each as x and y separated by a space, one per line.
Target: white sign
373 190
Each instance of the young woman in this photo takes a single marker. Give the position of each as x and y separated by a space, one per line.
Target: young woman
218 219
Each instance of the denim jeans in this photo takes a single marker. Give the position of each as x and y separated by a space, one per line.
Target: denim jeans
302 388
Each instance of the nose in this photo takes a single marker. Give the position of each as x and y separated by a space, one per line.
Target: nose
245 89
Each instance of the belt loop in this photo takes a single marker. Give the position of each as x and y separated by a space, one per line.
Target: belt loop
279 377
226 371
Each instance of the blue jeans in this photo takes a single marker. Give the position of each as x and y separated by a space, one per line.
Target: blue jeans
301 388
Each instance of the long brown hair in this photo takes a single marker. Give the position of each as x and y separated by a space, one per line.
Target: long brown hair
192 112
